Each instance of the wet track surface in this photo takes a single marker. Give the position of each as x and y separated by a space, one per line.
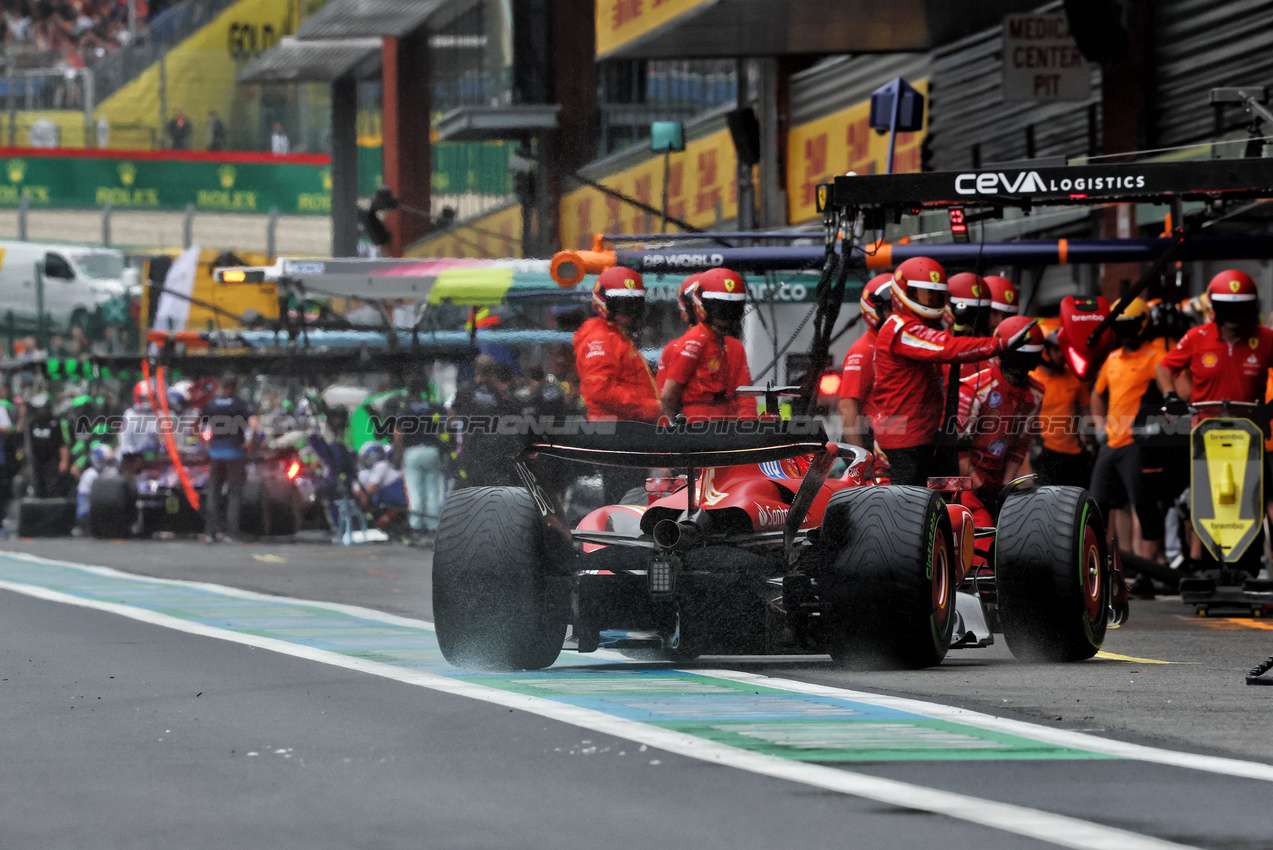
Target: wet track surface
363 736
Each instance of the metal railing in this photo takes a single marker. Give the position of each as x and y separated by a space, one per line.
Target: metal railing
168 29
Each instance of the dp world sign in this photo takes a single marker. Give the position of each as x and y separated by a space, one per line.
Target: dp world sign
1041 62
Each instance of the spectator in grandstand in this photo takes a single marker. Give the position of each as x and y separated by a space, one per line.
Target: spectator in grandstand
216 132
1117 481
179 130
1061 458
279 143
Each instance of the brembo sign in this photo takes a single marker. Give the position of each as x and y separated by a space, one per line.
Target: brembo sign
1032 183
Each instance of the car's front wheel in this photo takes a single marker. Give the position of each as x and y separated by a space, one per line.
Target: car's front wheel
495 604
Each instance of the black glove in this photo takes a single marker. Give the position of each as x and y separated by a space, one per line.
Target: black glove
1020 338
1174 405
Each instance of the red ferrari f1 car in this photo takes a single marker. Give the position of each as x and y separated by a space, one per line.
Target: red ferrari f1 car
757 549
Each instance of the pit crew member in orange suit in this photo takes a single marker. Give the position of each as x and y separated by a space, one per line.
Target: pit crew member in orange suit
858 375
685 303
997 409
1229 357
1062 459
910 351
702 381
1005 300
614 379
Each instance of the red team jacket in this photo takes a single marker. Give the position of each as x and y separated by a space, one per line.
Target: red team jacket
858 375
614 379
1236 371
711 368
909 397
998 416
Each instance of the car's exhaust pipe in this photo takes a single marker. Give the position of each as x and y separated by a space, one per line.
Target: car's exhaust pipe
670 534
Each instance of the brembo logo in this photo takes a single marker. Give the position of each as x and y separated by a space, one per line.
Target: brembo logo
1030 182
685 261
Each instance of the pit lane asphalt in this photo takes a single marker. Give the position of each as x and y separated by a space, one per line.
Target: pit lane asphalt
1196 703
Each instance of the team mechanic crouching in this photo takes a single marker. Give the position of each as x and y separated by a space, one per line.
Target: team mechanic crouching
909 354
997 409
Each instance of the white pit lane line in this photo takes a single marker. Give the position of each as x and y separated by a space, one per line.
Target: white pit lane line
1041 825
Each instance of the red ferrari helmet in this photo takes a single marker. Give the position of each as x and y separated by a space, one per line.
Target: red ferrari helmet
143 394
876 301
721 294
919 288
1004 296
1024 357
685 300
618 290
969 301
1234 298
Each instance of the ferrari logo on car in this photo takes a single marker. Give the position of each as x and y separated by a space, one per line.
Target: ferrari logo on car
822 198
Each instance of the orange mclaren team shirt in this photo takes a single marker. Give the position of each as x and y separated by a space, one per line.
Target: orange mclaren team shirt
1126 376
1064 395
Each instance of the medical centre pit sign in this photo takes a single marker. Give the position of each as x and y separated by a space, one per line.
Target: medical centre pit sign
1041 62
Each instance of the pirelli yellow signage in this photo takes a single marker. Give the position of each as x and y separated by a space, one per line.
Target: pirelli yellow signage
620 22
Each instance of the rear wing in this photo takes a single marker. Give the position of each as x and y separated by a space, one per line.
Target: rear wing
698 444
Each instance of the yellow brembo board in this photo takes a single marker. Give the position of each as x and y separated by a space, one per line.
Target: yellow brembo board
1227 486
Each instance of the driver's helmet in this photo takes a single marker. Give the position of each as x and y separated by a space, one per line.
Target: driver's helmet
1131 323
1004 296
969 301
1028 356
100 456
371 454
619 290
1234 298
920 289
875 300
721 294
685 299
143 395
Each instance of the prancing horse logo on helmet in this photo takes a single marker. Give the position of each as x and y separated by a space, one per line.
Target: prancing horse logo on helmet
730 284
935 276
1009 295
629 283
1234 286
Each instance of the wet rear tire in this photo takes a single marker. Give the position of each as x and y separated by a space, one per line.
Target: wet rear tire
112 508
1050 574
887 586
495 604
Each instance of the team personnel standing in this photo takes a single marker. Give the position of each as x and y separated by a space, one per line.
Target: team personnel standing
420 438
1005 300
615 381
858 375
1121 384
910 352
1066 402
1229 357
997 408
685 303
968 313
703 379
226 421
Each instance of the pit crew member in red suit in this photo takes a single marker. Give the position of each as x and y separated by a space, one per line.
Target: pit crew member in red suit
997 410
1005 300
858 375
685 302
614 379
1229 357
910 351
703 379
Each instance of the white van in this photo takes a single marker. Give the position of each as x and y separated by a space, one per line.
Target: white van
77 280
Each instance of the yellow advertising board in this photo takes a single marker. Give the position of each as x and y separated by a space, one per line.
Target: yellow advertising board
495 236
839 143
700 178
623 21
